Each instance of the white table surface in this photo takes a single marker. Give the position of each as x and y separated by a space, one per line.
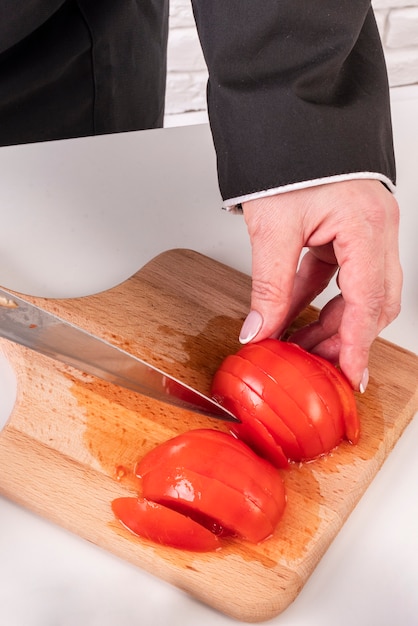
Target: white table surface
87 214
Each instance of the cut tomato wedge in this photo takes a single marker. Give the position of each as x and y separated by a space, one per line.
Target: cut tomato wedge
163 525
256 435
347 399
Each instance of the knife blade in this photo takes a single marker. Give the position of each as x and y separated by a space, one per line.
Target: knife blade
33 327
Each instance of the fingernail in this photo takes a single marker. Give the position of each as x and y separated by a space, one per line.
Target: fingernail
364 381
251 326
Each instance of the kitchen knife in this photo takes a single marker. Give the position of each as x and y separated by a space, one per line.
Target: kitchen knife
43 332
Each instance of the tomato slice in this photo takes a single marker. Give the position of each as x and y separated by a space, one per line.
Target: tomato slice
221 456
207 435
348 401
299 391
163 525
208 501
256 435
233 477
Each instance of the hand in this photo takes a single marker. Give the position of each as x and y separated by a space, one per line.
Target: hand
350 227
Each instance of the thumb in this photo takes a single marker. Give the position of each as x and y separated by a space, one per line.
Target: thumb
276 249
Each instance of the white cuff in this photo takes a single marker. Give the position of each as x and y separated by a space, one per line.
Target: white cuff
233 204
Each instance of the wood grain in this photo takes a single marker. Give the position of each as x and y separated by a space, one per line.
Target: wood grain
71 442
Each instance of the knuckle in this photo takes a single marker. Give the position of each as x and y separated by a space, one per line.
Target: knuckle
267 291
391 312
375 304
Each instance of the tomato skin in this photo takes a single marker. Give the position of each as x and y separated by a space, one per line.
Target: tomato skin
303 401
163 525
209 501
221 456
199 437
274 407
301 377
350 415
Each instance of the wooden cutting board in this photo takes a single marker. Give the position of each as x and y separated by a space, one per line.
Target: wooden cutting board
71 442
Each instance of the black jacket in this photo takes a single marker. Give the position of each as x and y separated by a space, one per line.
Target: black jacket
297 89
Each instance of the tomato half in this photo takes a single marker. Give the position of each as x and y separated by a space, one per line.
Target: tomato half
163 525
305 404
218 455
206 478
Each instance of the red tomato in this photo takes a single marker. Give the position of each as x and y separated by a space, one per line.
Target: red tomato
261 441
323 389
218 456
263 399
304 402
208 477
209 501
200 438
348 401
163 525
320 396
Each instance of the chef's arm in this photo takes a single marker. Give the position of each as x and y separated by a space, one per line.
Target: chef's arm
298 104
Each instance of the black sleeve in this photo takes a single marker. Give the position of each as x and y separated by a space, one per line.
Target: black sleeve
70 68
297 91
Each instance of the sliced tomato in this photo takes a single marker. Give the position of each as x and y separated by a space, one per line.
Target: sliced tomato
306 406
210 478
256 435
201 437
302 383
244 402
208 501
163 525
220 456
318 380
274 405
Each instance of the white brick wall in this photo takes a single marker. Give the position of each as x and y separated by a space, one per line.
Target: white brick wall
186 80
186 69
398 25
